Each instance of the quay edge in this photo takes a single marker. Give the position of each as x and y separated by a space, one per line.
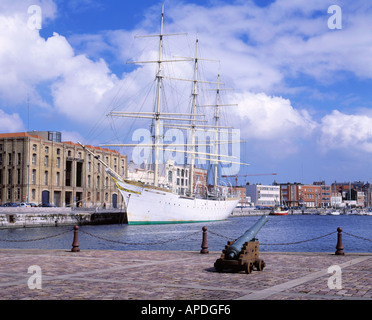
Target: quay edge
48 217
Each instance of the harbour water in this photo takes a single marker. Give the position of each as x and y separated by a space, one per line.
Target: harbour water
280 233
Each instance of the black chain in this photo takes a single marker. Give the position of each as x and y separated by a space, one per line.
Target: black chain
138 243
359 237
297 242
278 244
37 239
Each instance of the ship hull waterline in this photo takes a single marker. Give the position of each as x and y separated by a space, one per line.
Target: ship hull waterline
149 205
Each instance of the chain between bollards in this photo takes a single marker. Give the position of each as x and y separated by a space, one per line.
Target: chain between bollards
75 243
204 245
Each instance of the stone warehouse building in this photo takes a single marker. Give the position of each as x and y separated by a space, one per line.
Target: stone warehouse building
37 167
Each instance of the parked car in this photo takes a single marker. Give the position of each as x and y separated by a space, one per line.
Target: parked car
46 205
9 204
24 205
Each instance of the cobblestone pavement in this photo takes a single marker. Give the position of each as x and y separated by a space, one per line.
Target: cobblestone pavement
176 275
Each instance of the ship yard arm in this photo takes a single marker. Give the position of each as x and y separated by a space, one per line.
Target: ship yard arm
108 169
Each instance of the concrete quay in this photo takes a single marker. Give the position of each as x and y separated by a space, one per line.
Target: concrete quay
179 275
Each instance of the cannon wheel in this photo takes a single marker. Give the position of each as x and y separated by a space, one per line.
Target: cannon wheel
217 266
260 264
248 267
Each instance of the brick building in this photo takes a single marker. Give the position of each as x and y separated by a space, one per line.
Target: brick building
38 167
308 195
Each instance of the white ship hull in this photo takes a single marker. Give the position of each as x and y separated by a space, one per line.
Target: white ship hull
150 205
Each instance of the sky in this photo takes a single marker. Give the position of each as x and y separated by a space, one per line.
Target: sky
301 73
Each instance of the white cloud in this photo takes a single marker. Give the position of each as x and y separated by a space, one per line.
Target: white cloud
10 122
265 118
77 84
347 132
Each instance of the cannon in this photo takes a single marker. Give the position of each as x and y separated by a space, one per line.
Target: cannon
242 254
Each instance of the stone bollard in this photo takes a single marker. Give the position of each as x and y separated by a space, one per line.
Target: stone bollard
339 246
204 245
75 243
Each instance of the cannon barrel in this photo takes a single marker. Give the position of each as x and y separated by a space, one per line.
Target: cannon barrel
234 250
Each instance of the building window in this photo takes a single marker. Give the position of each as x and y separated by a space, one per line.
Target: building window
18 176
58 178
88 182
58 151
10 159
34 159
58 163
19 157
46 160
33 194
46 149
46 177
9 176
170 176
33 177
34 147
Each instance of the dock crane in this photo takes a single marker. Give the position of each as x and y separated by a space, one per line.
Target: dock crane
236 176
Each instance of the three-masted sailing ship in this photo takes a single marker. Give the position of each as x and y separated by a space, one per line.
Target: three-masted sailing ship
153 204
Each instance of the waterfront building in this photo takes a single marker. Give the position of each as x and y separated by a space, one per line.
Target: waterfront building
308 195
263 195
336 200
325 194
242 194
37 167
354 194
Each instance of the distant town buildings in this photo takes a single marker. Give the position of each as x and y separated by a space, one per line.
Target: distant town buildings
263 195
316 195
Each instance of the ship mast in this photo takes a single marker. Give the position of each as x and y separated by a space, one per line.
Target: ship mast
157 113
216 118
194 96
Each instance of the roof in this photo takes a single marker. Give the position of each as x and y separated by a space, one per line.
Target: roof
25 134
18 134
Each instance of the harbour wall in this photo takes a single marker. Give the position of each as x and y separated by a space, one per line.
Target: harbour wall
242 212
46 217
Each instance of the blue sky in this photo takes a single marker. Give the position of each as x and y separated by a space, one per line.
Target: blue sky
303 90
